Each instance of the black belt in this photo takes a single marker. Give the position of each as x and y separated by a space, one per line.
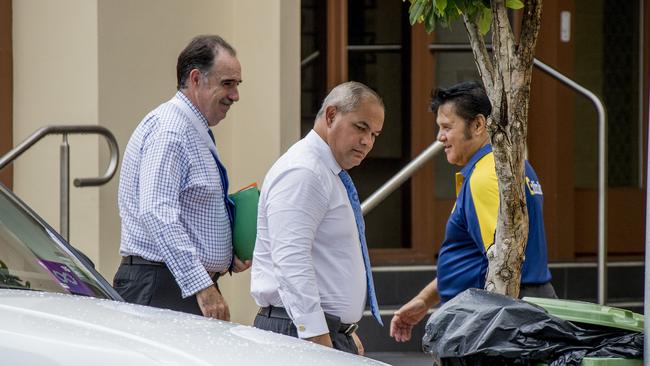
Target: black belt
135 260
281 313
131 260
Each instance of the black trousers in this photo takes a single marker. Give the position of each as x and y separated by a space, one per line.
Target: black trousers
545 290
283 325
152 285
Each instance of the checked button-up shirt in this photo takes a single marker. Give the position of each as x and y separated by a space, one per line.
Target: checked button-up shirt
171 199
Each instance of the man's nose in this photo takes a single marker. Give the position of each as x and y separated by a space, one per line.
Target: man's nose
439 136
367 140
234 94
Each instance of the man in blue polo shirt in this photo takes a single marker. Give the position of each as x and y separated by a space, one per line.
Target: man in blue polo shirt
462 111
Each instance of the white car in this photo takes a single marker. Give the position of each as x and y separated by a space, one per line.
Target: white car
55 309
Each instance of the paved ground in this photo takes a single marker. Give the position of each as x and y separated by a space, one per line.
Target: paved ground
402 358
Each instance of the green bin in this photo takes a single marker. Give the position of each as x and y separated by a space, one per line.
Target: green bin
589 313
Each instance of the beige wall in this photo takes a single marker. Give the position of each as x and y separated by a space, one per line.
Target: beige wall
109 62
55 82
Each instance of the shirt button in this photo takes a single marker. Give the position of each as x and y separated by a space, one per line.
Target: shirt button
302 328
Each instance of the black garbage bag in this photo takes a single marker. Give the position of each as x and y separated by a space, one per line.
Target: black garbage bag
483 328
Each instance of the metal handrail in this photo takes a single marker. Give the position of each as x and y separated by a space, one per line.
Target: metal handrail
602 173
66 130
309 59
393 183
396 180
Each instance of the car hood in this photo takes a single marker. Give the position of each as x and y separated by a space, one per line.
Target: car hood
38 328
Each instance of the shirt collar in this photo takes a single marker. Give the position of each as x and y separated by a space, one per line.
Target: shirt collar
324 151
475 158
180 95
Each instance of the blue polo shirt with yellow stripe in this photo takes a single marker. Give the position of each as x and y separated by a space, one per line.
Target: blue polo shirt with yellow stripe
462 262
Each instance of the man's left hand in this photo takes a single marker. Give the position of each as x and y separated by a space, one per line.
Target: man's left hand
357 342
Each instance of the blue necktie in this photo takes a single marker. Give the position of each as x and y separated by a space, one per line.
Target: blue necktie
361 227
230 205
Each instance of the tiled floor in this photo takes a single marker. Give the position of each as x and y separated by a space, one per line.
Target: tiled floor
402 358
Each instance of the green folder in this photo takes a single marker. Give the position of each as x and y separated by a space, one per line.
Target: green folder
245 226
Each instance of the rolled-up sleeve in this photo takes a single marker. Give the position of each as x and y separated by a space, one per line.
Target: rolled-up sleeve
295 208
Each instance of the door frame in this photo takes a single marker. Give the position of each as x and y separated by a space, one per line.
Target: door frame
6 88
422 246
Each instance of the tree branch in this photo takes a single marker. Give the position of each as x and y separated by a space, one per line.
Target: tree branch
530 25
481 56
501 29
503 39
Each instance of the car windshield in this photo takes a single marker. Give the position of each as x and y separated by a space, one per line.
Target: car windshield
32 257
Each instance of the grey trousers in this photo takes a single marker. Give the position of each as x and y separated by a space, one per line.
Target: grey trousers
341 341
153 286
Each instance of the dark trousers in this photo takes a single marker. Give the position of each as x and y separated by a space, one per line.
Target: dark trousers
152 285
545 290
284 325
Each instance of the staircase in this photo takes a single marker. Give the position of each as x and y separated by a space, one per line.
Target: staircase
573 281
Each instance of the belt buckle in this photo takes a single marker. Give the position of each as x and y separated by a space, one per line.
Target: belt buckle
351 328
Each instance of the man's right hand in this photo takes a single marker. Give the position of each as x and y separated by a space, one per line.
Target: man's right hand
212 304
406 318
323 339
413 311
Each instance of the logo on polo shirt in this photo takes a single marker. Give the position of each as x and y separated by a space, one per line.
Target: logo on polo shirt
534 187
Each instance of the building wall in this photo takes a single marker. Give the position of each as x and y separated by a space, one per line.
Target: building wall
109 62
55 82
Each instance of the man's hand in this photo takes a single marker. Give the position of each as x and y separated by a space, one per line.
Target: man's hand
413 311
323 339
357 342
240 266
406 318
212 304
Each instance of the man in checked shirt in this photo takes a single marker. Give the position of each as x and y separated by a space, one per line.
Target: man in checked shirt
176 215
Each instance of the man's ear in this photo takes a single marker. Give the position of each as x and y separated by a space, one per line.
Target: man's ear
330 113
481 123
194 77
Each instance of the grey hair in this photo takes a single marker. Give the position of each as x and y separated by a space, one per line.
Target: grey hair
347 96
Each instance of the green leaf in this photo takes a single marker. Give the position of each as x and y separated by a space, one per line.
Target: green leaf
484 21
429 24
514 4
458 11
441 5
415 11
429 19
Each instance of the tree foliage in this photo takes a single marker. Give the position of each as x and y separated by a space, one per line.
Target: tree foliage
445 12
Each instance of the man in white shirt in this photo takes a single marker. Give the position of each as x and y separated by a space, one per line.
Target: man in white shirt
311 274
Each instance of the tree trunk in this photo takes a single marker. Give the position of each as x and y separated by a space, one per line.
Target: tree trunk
506 76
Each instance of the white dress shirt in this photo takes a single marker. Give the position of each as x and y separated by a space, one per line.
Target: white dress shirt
307 256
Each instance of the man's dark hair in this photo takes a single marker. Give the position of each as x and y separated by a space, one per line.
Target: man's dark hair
200 54
469 99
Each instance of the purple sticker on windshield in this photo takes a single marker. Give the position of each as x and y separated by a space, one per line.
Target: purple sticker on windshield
66 278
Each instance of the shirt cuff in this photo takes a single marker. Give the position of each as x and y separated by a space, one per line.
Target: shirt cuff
194 281
311 325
